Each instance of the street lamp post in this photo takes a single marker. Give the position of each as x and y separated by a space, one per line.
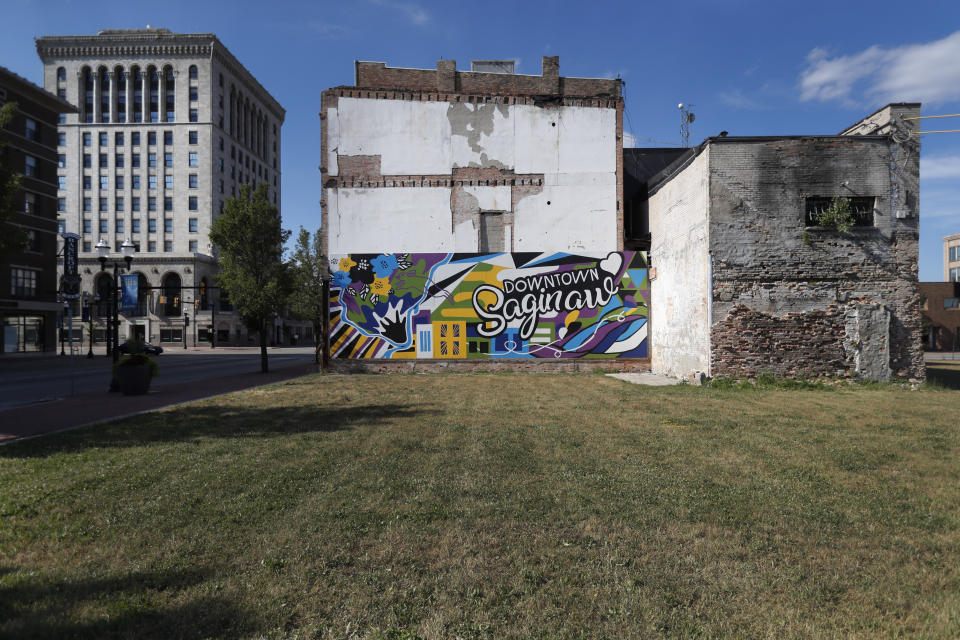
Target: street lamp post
126 250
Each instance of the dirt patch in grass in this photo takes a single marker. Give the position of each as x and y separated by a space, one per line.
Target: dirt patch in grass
491 506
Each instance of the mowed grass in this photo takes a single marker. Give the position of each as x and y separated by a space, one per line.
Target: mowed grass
492 506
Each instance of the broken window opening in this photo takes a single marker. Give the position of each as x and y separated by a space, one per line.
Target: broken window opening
861 208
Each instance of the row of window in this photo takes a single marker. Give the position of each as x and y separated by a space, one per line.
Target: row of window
120 183
153 94
151 246
135 225
119 204
193 137
119 160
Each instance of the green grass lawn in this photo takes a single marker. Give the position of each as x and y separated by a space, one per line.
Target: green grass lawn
492 506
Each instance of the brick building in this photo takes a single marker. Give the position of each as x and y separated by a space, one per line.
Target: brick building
940 305
479 215
746 281
466 161
28 279
455 178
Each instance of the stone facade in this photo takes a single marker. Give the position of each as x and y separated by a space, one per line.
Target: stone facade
787 296
169 125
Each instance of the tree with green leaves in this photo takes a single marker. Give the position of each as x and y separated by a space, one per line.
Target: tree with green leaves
839 215
249 247
12 238
309 267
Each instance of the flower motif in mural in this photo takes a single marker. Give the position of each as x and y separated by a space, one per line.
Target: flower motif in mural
346 263
341 279
384 265
379 287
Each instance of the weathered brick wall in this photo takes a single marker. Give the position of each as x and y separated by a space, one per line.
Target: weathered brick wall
793 299
748 341
446 79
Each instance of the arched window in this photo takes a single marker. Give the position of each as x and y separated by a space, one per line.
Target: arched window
224 297
61 75
154 79
193 72
104 94
172 304
233 111
86 82
170 108
120 77
143 294
103 288
137 95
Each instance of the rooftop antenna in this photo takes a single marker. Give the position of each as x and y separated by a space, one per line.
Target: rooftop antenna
686 119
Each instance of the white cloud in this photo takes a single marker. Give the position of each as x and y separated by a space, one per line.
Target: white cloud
924 72
629 140
414 12
936 167
736 99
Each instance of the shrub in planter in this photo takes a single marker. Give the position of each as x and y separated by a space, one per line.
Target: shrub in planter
133 373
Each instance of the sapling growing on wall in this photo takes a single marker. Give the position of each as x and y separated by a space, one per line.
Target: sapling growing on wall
838 215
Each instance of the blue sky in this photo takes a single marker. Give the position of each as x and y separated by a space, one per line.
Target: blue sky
748 67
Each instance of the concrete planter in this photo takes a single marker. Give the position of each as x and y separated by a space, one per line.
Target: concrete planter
134 379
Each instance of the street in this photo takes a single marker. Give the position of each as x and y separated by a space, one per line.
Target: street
28 380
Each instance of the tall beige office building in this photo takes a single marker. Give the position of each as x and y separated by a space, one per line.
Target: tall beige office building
168 127
951 258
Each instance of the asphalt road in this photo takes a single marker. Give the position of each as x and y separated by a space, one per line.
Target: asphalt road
26 381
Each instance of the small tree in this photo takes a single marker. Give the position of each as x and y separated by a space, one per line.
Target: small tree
249 242
838 215
308 270
12 237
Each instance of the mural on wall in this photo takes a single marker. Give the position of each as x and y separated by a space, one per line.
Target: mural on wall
501 305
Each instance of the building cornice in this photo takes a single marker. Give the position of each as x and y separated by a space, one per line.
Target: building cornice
153 43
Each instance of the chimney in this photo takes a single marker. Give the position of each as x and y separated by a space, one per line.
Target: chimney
447 76
550 76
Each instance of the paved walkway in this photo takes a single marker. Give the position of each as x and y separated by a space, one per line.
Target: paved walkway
89 408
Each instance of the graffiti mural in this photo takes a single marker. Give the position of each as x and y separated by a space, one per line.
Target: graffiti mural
504 305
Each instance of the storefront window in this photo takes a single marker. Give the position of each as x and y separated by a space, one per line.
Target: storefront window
22 333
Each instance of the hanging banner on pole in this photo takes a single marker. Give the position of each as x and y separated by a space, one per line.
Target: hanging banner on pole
70 280
128 292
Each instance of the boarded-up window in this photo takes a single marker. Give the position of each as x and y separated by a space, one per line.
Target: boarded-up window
491 231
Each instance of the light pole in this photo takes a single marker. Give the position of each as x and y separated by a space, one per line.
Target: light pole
63 323
186 327
126 250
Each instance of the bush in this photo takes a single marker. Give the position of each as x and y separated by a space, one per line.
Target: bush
134 359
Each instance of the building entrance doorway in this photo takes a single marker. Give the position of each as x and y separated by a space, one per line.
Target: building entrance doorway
138 332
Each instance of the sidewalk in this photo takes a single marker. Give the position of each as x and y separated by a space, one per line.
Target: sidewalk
89 408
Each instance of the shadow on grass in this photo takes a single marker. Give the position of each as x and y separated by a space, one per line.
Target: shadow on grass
135 605
187 423
944 374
